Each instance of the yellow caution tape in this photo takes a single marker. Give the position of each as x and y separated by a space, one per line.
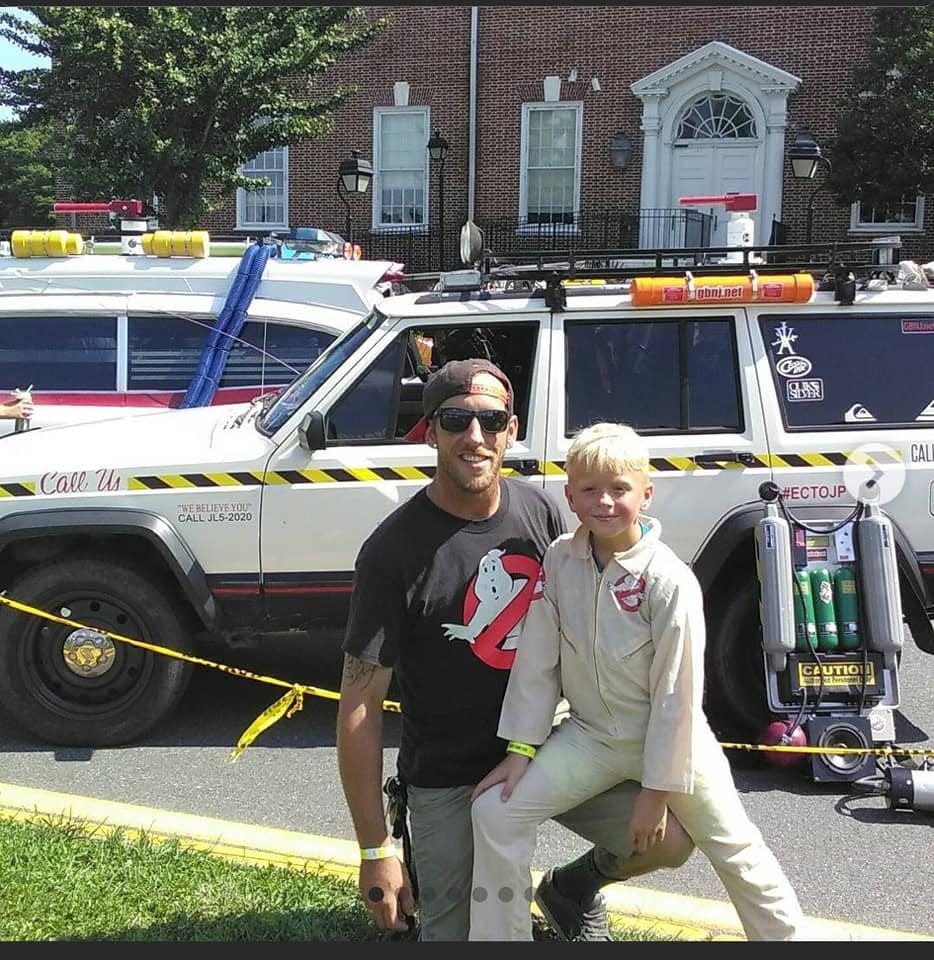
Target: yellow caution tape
287 705
878 751
292 701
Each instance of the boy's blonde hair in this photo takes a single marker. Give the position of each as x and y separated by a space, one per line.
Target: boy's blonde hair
608 446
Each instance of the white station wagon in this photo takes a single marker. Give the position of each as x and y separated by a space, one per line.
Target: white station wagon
97 336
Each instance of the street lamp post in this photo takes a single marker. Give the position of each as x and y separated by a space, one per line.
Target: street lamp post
437 152
354 176
805 156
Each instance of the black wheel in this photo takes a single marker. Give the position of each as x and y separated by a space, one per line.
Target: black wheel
77 687
736 700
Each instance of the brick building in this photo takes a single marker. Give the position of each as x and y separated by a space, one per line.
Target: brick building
582 122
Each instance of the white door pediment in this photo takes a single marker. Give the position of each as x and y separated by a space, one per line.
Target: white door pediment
714 164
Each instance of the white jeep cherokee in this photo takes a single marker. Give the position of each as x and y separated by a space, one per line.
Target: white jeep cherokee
244 520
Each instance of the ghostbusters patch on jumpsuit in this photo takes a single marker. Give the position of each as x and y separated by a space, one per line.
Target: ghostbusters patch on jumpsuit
629 591
495 602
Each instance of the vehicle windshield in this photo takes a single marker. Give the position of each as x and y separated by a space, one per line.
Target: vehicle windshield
303 386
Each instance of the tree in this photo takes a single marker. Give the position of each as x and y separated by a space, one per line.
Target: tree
171 101
884 150
26 181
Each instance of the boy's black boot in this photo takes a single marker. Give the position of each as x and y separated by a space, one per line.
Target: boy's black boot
569 918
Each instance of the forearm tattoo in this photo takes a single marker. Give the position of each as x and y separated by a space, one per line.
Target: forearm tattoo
357 673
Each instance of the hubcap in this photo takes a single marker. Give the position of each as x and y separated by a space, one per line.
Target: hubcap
88 653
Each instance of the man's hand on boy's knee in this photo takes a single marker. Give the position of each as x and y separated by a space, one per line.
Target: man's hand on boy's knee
508 772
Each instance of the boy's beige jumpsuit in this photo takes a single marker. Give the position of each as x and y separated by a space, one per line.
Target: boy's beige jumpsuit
626 649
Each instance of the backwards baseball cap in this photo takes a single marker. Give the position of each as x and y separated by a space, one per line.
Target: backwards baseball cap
459 378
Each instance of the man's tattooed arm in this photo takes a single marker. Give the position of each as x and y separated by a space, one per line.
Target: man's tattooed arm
358 673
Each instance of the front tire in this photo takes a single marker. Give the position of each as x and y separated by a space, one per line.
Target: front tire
78 688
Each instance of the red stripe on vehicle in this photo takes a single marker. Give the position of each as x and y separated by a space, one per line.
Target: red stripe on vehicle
110 398
335 588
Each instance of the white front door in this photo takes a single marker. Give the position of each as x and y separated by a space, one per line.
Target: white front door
711 168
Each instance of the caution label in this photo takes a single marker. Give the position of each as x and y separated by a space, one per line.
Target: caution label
836 674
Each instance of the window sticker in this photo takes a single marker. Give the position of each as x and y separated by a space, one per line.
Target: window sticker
785 336
793 366
917 326
858 414
804 390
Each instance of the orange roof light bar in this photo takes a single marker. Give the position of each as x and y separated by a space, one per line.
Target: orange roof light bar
750 288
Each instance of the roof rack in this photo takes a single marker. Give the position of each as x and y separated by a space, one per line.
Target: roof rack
836 266
857 257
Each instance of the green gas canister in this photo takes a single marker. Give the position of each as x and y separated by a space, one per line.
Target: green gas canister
847 608
805 624
824 612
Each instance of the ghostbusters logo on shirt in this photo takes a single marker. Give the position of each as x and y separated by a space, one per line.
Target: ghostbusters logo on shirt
629 591
495 602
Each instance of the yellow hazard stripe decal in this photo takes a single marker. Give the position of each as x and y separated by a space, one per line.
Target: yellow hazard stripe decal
511 468
23 488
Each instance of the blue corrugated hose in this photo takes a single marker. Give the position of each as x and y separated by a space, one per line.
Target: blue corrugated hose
229 323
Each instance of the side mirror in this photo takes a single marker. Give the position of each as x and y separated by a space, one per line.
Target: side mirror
312 434
471 243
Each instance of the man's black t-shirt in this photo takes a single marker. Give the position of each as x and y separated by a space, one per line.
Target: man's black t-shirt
440 599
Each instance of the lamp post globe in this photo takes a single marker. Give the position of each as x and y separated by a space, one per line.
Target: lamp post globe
353 176
805 156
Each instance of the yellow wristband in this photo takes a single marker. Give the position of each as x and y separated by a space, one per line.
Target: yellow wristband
525 749
377 853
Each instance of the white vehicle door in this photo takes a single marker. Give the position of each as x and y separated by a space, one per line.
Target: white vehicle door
683 378
319 507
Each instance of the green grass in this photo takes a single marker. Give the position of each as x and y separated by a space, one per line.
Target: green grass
61 880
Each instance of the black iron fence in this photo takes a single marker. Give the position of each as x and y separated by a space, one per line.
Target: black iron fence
421 249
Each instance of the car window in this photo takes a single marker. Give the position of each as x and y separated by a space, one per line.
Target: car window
660 376
164 351
273 354
385 404
333 358
58 352
841 369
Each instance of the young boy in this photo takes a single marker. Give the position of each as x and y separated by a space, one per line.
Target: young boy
616 625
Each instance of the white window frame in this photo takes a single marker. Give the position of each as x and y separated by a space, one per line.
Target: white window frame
243 223
376 187
527 109
863 226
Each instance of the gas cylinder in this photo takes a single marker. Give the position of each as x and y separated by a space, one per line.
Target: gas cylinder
773 565
878 583
847 608
805 624
824 611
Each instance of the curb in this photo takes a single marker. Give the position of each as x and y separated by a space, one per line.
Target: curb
651 911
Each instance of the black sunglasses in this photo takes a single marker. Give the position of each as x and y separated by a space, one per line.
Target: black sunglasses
457 419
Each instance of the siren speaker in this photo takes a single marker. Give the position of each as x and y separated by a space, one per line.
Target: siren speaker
852 733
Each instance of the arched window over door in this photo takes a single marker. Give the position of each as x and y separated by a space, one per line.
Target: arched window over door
716 116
